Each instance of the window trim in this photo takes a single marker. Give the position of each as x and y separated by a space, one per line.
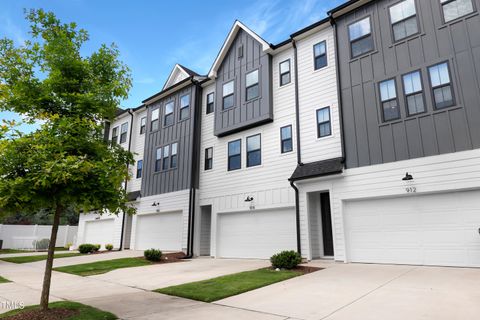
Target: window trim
143 128
315 57
403 20
352 57
206 158
259 149
282 140
432 88
139 170
185 107
382 102
153 120
442 12
284 73
405 95
253 85
226 96
320 123
213 103
229 156
165 115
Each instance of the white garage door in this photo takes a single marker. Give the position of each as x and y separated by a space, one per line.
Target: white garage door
256 234
438 229
160 231
99 232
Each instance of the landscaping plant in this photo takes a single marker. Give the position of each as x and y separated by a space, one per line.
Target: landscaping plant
109 247
96 247
286 259
152 254
86 248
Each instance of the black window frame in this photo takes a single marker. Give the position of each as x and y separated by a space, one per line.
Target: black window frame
139 169
442 5
352 56
168 116
230 156
319 124
407 109
450 84
282 74
143 125
389 100
123 135
259 150
210 108
174 156
155 123
182 108
158 160
166 159
224 97
282 140
114 135
208 163
392 24
319 57
257 84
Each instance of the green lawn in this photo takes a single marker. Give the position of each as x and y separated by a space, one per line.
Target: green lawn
227 286
26 259
99 267
3 280
7 251
85 312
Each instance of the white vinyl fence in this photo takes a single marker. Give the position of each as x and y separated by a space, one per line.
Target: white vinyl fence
31 236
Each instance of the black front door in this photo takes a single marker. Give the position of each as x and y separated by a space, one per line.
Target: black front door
326 224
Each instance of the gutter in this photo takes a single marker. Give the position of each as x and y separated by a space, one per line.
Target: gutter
126 179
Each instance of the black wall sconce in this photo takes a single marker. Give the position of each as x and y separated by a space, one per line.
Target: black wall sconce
154 204
249 199
407 177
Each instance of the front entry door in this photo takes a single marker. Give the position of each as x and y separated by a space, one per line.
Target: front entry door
326 224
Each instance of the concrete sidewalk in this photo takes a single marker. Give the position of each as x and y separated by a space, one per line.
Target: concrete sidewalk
31 253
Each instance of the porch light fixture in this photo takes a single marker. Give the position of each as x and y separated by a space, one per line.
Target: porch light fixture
154 204
249 199
407 177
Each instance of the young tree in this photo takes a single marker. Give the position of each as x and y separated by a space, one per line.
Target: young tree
66 162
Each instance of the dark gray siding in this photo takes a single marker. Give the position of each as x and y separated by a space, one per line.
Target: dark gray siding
181 132
369 140
244 114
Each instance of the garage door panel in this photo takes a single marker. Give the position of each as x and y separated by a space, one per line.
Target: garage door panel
160 231
435 229
257 234
99 231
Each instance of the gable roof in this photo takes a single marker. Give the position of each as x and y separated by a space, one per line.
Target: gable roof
179 70
228 42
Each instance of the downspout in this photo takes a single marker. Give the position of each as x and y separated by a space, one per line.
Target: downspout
299 154
126 179
194 171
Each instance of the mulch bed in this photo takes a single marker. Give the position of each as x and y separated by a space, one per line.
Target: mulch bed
303 269
171 257
51 314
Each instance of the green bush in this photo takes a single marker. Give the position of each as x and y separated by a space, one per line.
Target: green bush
152 254
109 247
42 244
86 248
96 247
68 245
286 259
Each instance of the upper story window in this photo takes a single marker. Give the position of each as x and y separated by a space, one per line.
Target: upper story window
454 9
143 125
234 155
284 72
324 125
154 121
123 132
158 159
254 151
168 116
185 107
173 155
228 94
412 85
320 55
115 135
403 17
251 83
441 86
286 139
166 153
388 97
361 38
139 168
208 158
210 103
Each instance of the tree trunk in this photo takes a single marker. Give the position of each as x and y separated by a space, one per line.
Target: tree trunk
48 267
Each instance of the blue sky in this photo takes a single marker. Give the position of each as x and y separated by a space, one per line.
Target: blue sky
154 35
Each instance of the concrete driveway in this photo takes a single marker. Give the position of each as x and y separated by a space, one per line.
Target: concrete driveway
367 292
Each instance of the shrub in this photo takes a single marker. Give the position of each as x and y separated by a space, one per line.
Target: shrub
109 247
286 260
96 247
86 248
68 245
42 244
152 254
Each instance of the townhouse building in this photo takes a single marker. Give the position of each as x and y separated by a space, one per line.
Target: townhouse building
356 139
